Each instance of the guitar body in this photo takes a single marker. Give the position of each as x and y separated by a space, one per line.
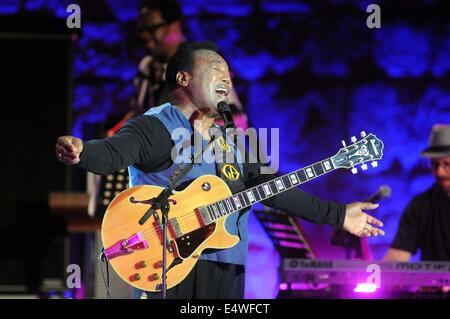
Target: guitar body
135 251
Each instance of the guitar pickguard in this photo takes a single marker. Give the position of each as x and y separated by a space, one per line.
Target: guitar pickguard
187 244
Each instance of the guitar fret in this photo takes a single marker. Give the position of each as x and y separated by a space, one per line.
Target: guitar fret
244 198
328 165
318 169
237 202
233 207
286 181
250 196
232 204
283 183
223 208
213 214
219 209
256 194
273 187
301 176
210 211
261 192
310 174
279 184
216 211
267 191
294 179
227 203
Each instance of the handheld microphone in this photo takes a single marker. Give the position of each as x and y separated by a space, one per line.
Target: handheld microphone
384 191
225 112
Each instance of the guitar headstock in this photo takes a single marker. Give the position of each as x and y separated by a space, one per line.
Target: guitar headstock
368 149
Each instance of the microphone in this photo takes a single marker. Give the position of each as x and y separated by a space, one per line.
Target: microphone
225 112
383 191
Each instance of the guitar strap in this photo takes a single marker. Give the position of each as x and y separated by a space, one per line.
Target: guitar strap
226 164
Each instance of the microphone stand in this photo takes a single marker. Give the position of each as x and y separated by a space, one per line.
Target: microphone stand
162 203
225 113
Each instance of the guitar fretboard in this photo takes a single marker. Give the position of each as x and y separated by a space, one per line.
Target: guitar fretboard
248 197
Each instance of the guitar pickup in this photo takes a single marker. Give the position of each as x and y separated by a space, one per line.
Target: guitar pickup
126 246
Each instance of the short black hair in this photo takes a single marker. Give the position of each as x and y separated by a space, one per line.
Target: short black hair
170 9
184 58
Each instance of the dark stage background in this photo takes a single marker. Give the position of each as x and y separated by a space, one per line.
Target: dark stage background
311 68
36 85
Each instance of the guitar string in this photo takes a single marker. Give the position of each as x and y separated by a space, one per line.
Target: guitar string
156 233
191 214
188 218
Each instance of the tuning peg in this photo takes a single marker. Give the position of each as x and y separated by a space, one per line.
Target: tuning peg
364 167
363 134
354 170
374 163
343 143
353 139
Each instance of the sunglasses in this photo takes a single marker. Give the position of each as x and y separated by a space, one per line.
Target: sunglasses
151 28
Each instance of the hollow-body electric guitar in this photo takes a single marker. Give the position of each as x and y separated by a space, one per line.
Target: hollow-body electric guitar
197 217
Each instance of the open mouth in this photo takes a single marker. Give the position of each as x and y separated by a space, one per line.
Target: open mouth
222 91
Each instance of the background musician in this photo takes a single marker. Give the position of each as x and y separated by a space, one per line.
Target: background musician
425 223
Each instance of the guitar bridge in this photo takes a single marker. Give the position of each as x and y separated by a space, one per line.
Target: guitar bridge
126 246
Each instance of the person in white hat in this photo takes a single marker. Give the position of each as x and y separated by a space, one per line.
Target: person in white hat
425 223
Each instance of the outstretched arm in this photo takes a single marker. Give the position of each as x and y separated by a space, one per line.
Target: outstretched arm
304 205
143 141
358 223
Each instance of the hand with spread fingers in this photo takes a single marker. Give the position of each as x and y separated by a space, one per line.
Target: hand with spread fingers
358 223
68 149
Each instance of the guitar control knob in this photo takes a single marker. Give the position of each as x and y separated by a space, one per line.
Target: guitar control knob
135 277
158 264
206 186
141 264
153 277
